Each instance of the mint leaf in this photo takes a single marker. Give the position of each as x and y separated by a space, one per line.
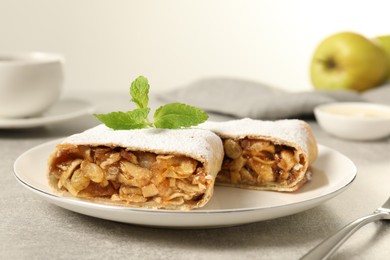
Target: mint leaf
139 91
177 115
135 119
171 116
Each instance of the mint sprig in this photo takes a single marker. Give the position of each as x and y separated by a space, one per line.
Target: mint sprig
170 116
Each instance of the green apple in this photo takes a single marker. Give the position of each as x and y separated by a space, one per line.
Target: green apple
348 60
384 42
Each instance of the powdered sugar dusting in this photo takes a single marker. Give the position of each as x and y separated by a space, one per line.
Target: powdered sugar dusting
289 130
202 145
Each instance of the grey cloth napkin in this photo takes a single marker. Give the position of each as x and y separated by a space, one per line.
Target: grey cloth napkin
242 98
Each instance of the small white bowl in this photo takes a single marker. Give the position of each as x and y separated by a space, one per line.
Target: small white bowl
354 120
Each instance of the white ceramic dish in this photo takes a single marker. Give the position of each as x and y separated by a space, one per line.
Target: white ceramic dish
63 110
354 120
332 174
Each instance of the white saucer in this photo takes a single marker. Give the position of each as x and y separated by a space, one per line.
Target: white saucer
63 110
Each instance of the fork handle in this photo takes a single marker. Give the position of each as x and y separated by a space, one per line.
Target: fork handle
326 248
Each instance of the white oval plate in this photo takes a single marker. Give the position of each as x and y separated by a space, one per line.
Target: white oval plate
63 110
332 174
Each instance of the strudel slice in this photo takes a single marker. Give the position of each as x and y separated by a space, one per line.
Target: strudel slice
265 155
148 168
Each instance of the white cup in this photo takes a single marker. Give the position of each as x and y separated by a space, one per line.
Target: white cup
29 83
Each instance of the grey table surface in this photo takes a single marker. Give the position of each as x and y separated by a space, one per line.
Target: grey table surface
32 228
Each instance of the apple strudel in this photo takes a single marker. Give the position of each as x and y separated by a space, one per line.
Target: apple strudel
148 168
265 155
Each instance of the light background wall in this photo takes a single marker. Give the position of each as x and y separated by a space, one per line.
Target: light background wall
173 42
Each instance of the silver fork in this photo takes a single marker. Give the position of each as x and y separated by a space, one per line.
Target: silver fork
326 248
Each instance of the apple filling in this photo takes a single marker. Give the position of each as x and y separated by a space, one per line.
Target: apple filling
131 177
259 162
